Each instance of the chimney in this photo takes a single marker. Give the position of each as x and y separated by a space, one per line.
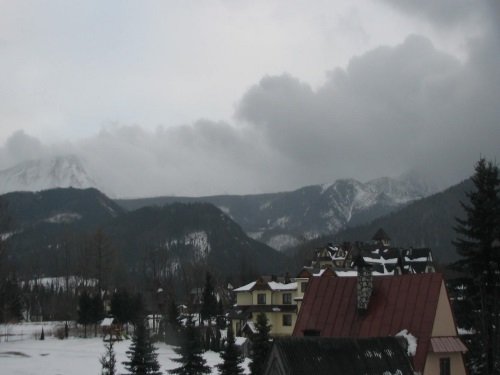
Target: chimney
364 283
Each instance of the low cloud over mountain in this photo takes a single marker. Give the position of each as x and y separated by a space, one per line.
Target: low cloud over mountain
391 109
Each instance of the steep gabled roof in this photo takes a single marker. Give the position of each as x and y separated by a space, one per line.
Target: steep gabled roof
342 356
397 303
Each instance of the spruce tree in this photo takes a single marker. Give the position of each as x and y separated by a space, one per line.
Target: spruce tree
231 357
84 310
172 323
108 360
191 359
97 311
477 243
142 353
261 345
209 301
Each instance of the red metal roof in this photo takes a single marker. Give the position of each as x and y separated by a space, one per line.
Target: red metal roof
447 345
397 303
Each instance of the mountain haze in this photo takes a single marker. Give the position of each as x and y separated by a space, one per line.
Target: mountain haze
47 173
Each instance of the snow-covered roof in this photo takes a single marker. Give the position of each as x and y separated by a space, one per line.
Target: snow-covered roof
280 286
346 273
381 260
250 325
106 322
273 285
245 288
412 341
421 259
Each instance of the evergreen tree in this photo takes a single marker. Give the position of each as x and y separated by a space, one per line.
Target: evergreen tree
172 323
477 243
142 353
108 360
136 310
231 357
191 359
10 301
85 310
209 301
121 306
97 311
261 345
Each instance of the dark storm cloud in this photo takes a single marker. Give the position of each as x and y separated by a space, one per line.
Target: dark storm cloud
443 13
391 109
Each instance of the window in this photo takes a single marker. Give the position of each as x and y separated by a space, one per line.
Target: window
261 299
444 366
287 320
287 298
303 286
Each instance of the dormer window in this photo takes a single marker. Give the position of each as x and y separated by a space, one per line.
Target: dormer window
261 299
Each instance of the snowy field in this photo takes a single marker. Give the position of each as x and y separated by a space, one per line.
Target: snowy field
27 355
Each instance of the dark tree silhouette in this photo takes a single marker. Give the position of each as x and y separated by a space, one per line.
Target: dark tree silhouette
261 345
108 360
85 310
191 359
231 357
209 301
478 245
142 353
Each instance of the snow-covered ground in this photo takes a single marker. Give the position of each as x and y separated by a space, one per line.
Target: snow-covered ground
27 355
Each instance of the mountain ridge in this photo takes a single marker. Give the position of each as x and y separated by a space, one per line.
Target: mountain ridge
284 219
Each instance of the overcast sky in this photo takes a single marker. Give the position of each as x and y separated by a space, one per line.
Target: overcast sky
207 97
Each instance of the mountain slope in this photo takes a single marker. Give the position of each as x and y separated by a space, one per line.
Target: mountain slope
48 173
428 222
62 206
284 219
191 233
44 225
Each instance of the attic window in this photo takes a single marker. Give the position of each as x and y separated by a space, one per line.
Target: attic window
444 366
261 299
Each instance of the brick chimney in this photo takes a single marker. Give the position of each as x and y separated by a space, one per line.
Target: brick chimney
364 284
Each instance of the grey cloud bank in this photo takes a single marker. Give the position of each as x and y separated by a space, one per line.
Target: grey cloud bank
392 109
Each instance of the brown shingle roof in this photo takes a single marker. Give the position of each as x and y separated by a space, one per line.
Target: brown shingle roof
397 303
447 345
342 356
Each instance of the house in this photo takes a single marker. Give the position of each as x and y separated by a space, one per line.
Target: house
417 260
275 299
337 356
414 305
384 258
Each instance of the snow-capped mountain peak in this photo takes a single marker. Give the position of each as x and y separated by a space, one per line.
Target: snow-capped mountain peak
46 173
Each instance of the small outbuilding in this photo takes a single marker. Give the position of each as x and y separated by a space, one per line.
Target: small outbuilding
110 327
338 356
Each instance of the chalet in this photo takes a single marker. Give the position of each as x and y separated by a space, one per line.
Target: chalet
415 306
275 299
337 356
385 259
